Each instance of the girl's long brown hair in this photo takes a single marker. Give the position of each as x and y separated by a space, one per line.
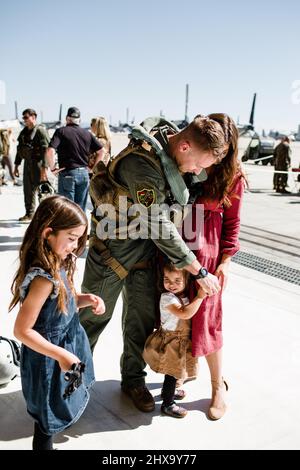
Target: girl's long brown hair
58 213
221 176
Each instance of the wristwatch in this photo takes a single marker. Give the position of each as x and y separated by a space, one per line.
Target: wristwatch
201 274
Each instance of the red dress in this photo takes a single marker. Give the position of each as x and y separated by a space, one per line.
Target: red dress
220 236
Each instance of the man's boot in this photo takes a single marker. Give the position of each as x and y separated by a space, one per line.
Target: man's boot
141 397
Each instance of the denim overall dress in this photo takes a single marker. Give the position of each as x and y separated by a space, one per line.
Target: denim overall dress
43 382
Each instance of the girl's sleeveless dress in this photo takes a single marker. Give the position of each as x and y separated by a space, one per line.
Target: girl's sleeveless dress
43 382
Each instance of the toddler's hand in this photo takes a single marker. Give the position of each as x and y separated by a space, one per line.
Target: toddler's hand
201 294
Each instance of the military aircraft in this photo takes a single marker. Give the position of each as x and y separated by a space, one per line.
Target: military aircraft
245 129
53 125
10 124
252 146
280 134
246 132
14 124
122 127
182 123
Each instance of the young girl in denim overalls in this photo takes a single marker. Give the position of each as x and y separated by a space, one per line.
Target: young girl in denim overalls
47 323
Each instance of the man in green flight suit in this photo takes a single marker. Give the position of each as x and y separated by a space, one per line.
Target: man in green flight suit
32 144
146 175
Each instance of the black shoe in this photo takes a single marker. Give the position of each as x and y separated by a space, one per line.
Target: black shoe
141 397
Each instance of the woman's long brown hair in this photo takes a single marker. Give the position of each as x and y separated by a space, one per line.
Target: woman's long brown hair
58 213
222 176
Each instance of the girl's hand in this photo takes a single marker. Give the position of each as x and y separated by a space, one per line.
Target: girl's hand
201 294
222 274
86 300
97 304
67 360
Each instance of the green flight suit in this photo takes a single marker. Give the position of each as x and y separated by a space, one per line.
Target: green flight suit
32 145
146 185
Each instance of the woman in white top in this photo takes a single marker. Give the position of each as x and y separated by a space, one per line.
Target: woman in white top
168 349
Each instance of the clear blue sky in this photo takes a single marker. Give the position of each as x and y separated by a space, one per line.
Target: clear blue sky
105 56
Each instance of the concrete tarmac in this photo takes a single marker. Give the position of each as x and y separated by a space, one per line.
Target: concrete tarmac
261 352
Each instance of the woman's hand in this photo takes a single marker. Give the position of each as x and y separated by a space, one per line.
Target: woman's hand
222 274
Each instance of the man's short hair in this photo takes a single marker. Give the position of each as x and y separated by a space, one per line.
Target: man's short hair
206 133
29 111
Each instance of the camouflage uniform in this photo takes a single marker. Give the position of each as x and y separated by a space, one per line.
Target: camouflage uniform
282 162
127 265
32 144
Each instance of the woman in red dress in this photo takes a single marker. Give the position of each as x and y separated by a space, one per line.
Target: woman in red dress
221 200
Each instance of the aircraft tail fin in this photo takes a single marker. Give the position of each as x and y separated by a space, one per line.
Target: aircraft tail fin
251 119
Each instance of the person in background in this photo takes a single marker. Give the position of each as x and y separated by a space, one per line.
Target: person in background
32 144
282 162
73 145
100 129
6 136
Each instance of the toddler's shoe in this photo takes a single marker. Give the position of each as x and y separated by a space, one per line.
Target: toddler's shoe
174 410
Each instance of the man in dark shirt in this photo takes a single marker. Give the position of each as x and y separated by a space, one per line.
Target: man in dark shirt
32 144
73 145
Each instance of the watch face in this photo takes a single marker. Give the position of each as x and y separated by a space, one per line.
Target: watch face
204 272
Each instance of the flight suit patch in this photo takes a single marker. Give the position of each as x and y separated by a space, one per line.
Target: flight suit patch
146 197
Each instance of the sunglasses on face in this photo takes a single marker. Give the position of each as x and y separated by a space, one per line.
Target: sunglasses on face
25 118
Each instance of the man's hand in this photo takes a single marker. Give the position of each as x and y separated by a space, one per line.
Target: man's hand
210 284
194 267
55 171
43 174
16 171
